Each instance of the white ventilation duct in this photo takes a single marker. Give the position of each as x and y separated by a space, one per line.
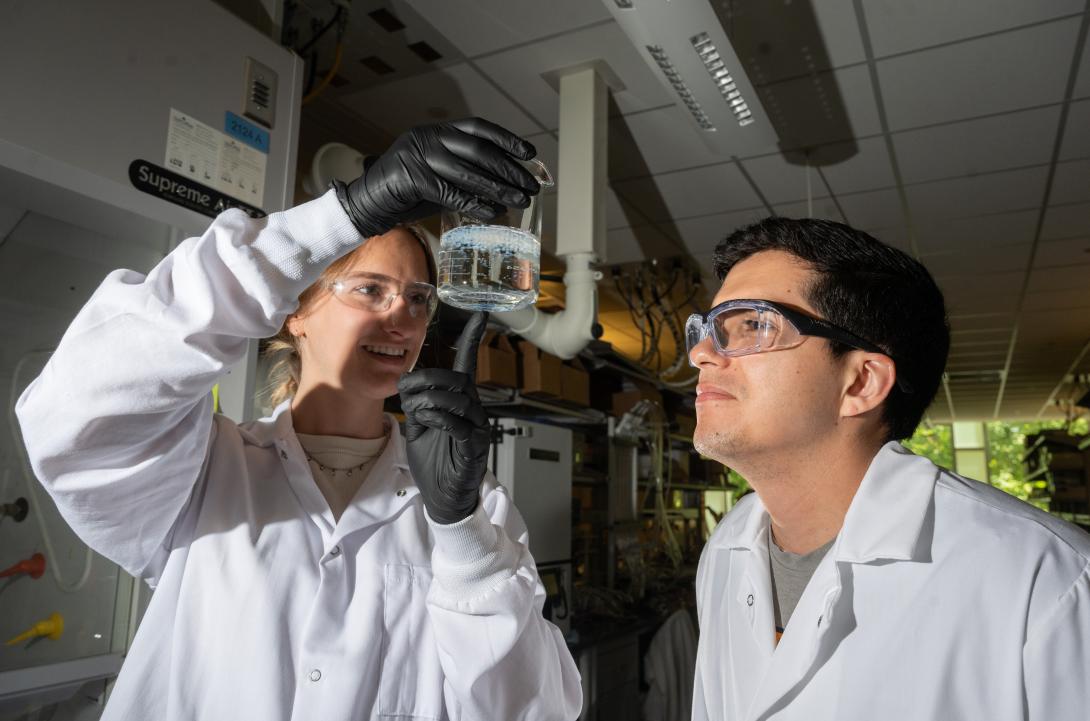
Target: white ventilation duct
581 223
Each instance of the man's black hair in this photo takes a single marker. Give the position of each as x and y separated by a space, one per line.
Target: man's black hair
875 291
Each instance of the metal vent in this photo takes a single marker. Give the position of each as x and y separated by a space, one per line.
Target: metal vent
386 20
260 99
376 65
425 52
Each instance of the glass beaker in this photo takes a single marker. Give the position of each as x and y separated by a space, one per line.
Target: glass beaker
494 265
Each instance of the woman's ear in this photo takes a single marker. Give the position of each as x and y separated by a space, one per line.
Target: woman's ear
873 376
296 326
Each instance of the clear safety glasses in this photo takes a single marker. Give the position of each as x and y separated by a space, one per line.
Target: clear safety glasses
376 293
743 327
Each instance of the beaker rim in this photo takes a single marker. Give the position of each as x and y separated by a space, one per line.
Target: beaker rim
541 173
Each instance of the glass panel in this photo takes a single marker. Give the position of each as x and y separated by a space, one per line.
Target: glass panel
50 264
971 464
968 434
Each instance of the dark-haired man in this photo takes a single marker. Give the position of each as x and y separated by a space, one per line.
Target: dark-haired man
862 582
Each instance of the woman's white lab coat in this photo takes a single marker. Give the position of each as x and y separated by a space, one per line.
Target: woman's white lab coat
942 598
265 608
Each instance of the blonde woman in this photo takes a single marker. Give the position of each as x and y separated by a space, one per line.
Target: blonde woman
315 564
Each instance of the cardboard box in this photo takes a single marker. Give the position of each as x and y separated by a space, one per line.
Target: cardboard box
625 400
575 382
497 362
541 372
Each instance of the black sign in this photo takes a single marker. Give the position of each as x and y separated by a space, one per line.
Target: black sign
183 191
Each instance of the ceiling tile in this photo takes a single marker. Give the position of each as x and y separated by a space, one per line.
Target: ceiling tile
777 40
896 26
1062 252
1082 77
701 191
972 293
1066 221
519 71
819 208
856 96
1076 143
701 235
976 77
452 92
997 259
970 147
625 245
484 26
977 233
1072 277
978 195
1057 299
1071 184
655 141
896 237
875 209
780 181
867 169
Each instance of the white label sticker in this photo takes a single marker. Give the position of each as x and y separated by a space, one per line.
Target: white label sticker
215 159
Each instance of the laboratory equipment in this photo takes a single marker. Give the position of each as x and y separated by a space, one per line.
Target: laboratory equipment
533 461
120 143
51 628
33 567
16 510
493 266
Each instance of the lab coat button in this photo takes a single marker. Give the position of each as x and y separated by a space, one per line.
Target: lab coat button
283 454
749 600
400 492
315 675
335 551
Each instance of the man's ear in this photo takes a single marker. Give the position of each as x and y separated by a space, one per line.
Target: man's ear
872 376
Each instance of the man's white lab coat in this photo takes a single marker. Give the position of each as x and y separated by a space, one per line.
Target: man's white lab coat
265 608
942 598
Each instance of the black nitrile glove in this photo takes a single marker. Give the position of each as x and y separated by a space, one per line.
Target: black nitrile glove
447 435
467 165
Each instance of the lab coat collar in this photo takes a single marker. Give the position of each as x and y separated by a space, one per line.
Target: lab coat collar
886 518
388 489
889 516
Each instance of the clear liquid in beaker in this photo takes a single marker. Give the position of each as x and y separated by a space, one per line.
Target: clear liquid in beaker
493 268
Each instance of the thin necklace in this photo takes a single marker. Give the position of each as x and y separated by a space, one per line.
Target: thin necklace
335 471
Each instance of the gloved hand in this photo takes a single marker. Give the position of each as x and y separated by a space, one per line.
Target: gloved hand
447 435
465 165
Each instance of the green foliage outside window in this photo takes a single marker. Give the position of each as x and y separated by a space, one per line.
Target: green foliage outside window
934 442
1006 446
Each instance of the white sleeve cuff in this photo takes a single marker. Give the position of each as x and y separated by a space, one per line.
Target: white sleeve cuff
472 556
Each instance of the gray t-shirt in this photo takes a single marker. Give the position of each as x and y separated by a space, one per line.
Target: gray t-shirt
790 574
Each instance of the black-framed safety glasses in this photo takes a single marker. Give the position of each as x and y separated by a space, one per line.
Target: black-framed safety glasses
744 326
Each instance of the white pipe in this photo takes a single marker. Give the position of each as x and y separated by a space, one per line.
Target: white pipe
581 226
566 333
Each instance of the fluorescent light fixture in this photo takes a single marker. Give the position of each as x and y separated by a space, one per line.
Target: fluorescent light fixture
681 88
713 61
684 43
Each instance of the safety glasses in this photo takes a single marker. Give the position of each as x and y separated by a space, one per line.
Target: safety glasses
742 327
375 292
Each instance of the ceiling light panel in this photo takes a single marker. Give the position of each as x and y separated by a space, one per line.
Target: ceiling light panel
684 43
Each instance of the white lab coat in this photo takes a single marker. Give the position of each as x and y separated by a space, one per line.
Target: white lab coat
265 608
942 598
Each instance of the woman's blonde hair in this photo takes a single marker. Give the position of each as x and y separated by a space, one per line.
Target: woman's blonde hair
283 348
